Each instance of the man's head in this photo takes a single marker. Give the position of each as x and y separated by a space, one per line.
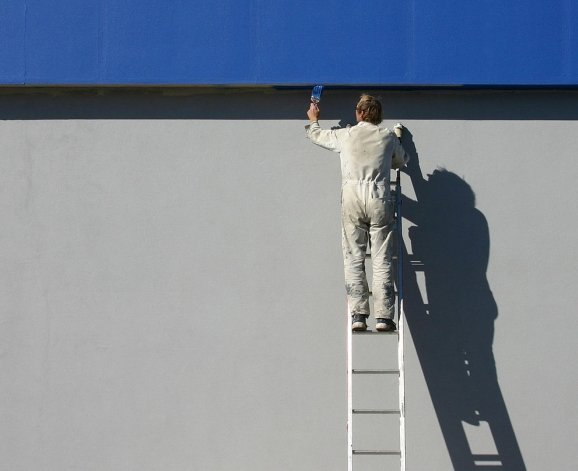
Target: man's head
368 109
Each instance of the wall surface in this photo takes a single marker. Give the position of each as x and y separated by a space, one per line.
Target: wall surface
259 42
171 291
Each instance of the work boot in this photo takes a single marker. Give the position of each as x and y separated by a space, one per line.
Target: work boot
358 323
385 325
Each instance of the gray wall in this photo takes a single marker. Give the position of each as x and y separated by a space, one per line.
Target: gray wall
171 286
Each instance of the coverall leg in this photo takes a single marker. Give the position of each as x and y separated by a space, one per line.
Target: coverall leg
365 214
382 237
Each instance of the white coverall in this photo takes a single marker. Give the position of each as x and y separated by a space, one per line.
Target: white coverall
367 152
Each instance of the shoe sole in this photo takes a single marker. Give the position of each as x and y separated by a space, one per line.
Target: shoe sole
358 326
385 328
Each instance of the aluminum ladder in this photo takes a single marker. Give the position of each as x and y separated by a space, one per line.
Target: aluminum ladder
386 337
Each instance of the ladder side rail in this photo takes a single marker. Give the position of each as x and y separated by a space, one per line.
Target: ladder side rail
401 321
349 392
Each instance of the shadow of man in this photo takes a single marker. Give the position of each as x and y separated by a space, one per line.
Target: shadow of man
452 322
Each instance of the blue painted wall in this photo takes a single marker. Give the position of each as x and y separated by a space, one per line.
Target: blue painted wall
288 42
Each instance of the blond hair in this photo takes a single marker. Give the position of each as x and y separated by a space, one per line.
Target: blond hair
372 108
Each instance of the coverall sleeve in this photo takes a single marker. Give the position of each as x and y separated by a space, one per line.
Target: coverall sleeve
400 156
327 138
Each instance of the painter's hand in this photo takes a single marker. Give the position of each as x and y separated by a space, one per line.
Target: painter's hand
313 112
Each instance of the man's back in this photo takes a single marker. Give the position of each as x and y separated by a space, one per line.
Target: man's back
367 152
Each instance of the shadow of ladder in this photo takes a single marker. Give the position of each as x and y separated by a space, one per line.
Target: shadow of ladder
475 461
376 372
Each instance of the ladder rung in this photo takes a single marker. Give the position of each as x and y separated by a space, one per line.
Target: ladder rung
376 452
375 411
374 372
374 332
393 257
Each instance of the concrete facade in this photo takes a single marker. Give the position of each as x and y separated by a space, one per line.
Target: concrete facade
171 291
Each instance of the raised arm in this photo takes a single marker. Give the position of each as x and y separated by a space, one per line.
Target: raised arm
400 156
326 138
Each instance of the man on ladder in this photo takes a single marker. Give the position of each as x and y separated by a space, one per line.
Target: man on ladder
368 153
